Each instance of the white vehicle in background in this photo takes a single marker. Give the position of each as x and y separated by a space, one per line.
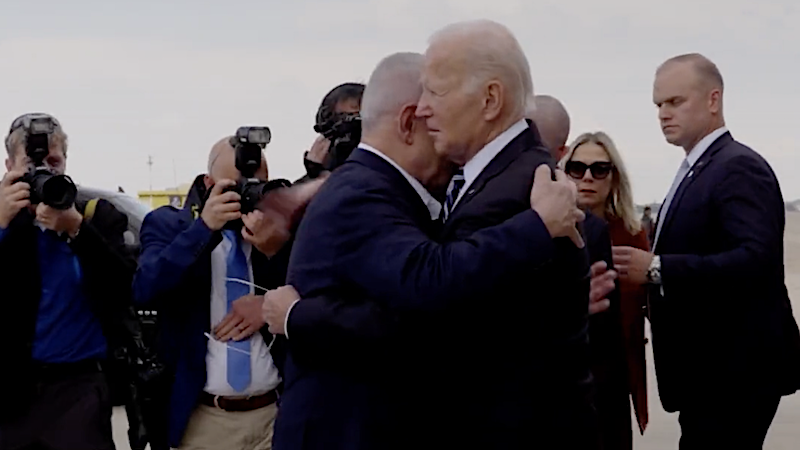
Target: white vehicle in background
126 204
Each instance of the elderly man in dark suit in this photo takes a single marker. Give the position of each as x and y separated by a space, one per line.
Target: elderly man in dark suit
367 235
476 85
726 345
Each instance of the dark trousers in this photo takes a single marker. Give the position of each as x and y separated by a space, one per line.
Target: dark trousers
734 423
614 416
66 413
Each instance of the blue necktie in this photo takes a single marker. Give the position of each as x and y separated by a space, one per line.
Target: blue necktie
238 352
456 183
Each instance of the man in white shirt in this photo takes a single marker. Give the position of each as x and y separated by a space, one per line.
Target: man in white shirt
206 276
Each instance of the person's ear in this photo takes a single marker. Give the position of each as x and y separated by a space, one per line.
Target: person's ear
561 152
494 96
208 181
715 101
406 123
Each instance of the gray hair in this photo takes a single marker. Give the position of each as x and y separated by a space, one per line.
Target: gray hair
18 138
394 83
551 119
492 53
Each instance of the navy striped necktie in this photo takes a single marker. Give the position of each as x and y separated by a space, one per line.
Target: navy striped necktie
456 183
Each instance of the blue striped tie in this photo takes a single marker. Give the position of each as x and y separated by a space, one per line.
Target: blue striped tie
456 183
238 352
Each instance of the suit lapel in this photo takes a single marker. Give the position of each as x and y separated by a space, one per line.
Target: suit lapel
692 175
526 140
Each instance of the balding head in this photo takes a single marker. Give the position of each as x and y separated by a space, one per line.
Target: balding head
707 73
222 163
688 93
477 83
552 121
394 84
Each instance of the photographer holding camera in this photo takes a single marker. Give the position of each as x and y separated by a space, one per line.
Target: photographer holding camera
338 123
204 268
66 277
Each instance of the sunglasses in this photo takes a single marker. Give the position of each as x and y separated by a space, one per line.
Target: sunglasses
577 169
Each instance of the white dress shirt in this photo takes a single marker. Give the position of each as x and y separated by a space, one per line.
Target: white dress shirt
264 375
433 205
474 167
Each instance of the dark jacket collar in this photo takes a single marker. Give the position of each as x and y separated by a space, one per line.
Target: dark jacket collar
692 175
528 139
380 165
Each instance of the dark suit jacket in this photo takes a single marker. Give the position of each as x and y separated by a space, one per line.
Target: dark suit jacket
450 304
107 270
366 235
724 326
174 277
537 390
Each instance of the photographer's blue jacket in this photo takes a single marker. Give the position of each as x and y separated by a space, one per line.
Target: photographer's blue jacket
174 277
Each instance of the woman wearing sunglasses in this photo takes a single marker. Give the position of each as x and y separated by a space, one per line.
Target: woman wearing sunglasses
618 342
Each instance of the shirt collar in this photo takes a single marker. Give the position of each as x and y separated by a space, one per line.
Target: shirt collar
434 207
701 147
475 166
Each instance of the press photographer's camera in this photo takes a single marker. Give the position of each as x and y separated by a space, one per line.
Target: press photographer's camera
343 130
249 142
54 190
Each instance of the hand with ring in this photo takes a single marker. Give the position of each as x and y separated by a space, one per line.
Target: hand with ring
244 319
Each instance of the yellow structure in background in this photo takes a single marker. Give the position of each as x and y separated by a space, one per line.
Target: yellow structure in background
172 196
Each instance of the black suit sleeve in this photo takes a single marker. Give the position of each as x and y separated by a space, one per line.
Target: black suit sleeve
386 252
107 265
751 227
326 330
100 247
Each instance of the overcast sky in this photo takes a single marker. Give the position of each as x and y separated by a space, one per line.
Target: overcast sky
169 78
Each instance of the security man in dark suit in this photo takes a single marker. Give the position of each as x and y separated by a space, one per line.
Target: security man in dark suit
66 278
725 342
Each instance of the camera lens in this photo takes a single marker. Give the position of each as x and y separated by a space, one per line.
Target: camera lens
58 191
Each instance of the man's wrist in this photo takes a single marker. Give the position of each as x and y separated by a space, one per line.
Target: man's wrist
286 319
654 271
76 222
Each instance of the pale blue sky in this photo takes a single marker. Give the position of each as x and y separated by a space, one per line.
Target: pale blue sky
169 78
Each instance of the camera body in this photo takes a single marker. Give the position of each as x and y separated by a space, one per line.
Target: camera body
343 130
54 190
249 142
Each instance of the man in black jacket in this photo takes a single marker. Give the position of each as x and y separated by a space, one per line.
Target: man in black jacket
725 342
66 277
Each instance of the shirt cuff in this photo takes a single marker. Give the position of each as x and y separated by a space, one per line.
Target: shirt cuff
286 320
3 232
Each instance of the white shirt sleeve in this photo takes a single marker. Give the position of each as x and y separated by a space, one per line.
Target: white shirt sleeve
286 320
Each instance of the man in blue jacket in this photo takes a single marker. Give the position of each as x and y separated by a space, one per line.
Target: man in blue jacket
201 274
